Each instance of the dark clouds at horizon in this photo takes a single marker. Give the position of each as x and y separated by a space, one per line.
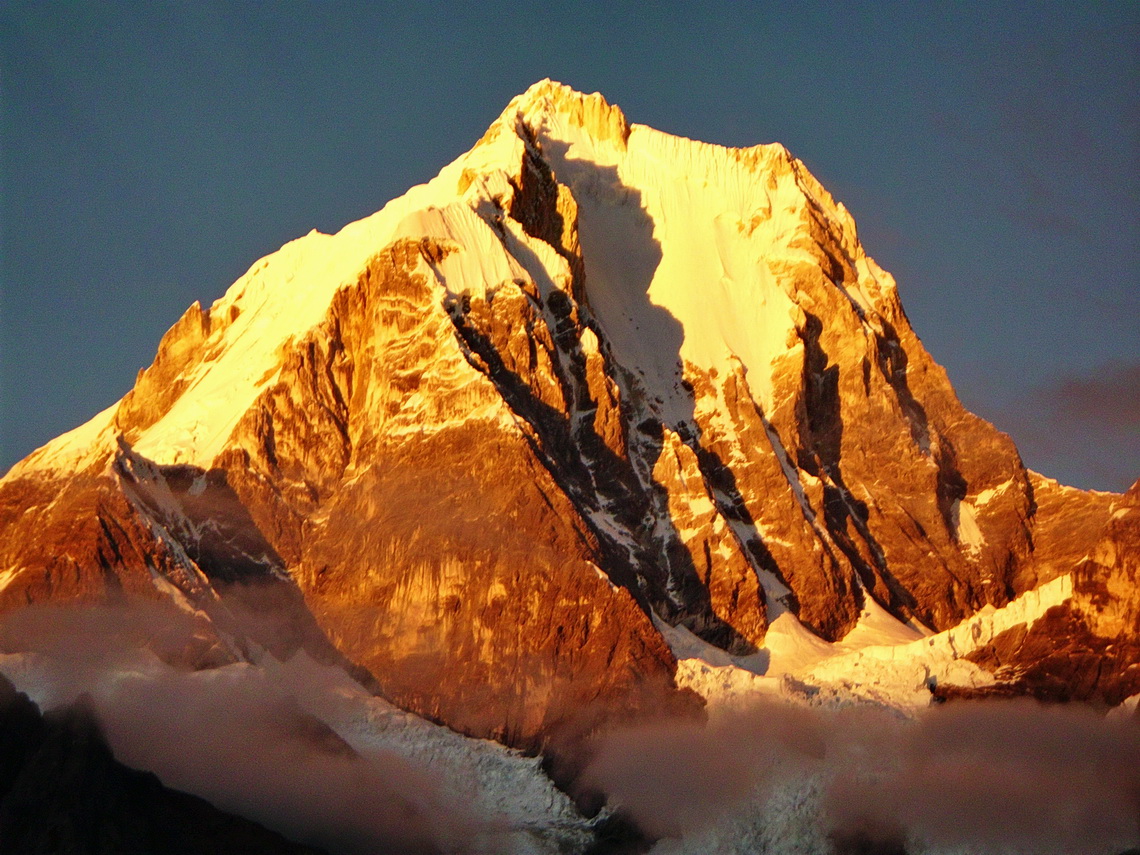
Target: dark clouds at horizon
1078 414
991 156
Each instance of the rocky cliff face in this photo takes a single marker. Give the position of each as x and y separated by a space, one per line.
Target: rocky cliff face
1087 648
590 377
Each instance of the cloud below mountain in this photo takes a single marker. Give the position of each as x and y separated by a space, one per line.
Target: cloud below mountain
239 736
1017 775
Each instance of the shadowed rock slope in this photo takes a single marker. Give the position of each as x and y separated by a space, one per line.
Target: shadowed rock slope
62 792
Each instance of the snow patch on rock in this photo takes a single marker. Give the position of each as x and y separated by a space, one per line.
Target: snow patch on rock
882 660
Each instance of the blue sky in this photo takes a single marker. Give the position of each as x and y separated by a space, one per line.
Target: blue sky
989 152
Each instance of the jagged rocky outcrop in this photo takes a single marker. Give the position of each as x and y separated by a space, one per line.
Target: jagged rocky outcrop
1087 648
62 791
590 377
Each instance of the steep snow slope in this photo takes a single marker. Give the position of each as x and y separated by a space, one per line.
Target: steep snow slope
681 240
238 350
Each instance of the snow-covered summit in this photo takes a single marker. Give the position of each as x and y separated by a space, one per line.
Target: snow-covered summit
659 213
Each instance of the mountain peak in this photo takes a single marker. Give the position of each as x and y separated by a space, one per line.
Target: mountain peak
592 113
591 381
